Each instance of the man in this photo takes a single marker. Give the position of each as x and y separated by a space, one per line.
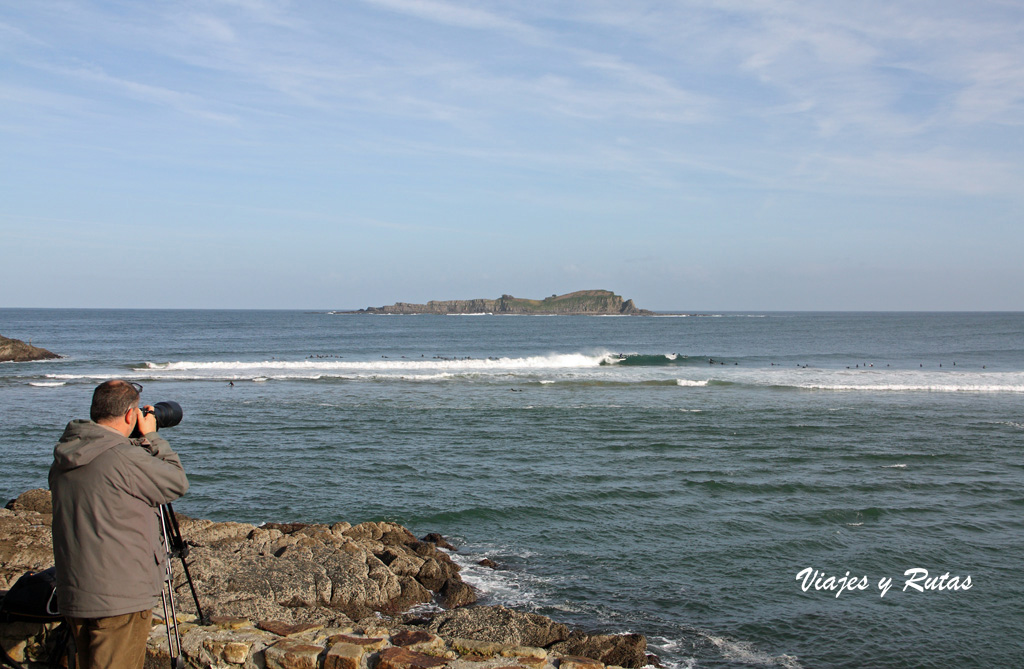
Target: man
106 529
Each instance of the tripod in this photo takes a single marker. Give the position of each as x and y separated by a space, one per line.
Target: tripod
175 546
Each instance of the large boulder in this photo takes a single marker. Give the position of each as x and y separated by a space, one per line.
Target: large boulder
622 650
25 540
37 500
310 572
499 625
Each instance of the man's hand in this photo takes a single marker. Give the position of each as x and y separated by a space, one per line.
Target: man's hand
147 421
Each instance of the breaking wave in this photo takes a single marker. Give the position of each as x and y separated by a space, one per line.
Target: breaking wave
566 370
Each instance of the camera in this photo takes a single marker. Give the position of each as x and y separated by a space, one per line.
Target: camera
168 414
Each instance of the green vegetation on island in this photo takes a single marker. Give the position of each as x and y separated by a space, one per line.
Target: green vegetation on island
581 302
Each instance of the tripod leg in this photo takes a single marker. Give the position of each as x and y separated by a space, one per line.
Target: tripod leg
167 595
179 547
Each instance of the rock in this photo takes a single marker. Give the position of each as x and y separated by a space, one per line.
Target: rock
37 500
499 624
395 533
579 663
284 528
230 622
281 628
403 658
223 648
25 543
25 641
455 593
236 652
254 586
369 644
437 567
623 650
15 350
489 563
525 653
401 561
439 541
411 637
225 536
318 582
292 654
476 648
344 656
418 640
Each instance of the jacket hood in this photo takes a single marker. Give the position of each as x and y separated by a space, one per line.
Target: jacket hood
82 442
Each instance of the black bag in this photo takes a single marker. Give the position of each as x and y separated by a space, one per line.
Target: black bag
33 599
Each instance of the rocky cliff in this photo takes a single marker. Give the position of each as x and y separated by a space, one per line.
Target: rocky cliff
584 302
320 597
15 350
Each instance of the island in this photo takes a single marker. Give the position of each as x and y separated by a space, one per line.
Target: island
15 350
581 302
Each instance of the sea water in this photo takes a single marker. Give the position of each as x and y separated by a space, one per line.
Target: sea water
745 489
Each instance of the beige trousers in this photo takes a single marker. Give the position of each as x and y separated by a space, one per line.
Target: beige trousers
118 642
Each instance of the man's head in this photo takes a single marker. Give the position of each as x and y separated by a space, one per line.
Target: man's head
112 400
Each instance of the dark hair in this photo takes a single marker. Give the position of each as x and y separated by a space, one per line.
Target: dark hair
112 399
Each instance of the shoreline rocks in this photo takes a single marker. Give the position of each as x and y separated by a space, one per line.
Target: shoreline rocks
15 350
321 596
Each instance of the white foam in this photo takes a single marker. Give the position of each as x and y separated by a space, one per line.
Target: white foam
552 361
878 380
900 466
503 586
662 645
744 651
47 384
579 367
924 388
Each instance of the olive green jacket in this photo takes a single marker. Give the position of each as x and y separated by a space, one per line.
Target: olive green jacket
106 529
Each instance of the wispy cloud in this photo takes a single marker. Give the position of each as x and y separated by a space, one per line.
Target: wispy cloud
454 15
186 103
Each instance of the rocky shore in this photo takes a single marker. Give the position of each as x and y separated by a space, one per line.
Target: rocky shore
315 596
581 302
15 350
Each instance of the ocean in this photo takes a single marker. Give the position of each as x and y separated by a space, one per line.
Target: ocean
746 489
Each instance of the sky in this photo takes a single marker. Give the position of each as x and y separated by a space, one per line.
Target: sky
691 155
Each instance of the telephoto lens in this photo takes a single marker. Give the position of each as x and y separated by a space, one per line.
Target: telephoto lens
168 414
